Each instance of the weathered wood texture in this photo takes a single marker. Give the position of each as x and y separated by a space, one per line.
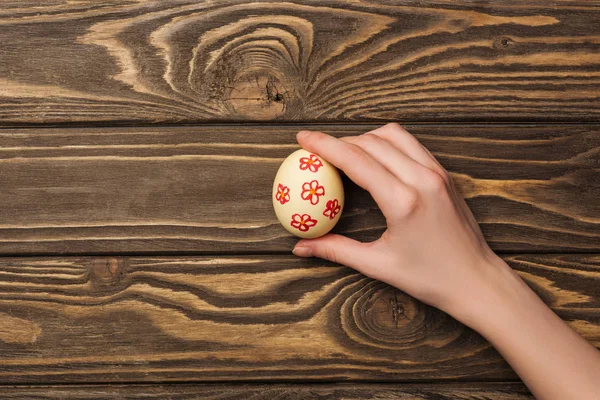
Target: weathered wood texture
265 318
208 189
432 391
191 61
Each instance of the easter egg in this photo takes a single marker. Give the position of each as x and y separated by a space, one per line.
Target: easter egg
308 194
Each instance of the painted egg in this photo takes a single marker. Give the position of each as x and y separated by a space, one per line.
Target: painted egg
308 194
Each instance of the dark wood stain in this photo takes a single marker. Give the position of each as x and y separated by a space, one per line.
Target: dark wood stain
251 318
338 60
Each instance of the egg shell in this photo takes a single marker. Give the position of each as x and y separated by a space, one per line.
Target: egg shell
307 192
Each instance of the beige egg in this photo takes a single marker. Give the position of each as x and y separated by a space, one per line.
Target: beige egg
308 194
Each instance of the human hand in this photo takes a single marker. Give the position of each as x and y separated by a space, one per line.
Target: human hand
433 248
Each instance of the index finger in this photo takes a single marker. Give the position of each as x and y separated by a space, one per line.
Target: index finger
359 165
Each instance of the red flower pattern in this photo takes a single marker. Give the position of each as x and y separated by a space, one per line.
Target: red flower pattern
312 163
312 191
332 208
283 194
303 222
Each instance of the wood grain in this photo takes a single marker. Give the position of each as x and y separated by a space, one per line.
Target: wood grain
337 60
430 391
207 189
251 318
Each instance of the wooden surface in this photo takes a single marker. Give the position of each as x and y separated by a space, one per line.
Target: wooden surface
451 391
207 189
189 61
139 253
251 318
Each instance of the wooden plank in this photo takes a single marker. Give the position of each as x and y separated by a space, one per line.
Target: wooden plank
336 60
267 318
207 189
430 391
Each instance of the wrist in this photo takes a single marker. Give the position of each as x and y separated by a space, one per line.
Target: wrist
497 298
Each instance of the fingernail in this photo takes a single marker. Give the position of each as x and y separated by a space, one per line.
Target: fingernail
303 134
302 251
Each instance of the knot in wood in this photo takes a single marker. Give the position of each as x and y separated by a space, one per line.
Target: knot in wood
107 272
391 309
259 96
385 316
503 43
253 69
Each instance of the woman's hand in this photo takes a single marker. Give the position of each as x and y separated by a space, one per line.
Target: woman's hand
433 248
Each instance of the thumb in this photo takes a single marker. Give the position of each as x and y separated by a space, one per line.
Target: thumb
336 248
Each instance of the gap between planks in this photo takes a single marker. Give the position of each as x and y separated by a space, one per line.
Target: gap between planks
369 125
429 390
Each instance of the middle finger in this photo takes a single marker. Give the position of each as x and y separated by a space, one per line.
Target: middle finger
393 159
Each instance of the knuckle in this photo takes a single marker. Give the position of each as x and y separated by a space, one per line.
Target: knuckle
368 139
394 126
317 138
407 202
411 201
355 153
368 136
433 181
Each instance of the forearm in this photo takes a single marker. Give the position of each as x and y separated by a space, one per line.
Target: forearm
552 359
